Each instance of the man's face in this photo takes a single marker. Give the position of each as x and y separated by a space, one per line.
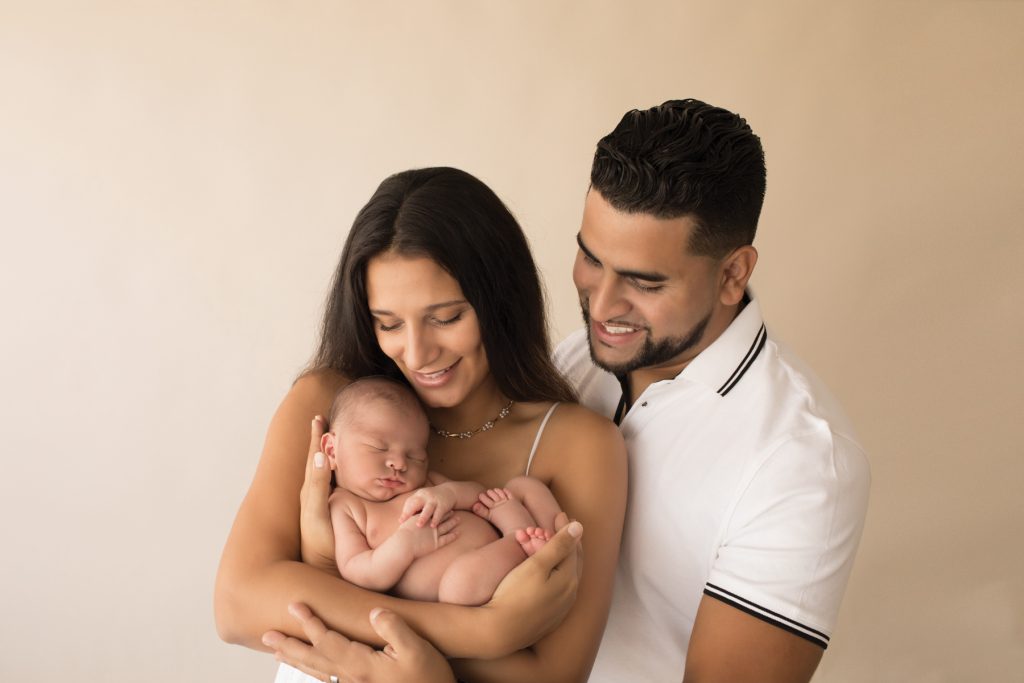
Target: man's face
647 301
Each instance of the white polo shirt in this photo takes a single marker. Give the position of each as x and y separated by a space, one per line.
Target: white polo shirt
746 483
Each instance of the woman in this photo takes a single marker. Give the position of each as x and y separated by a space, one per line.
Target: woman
436 287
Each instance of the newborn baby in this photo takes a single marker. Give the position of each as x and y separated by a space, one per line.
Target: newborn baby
399 527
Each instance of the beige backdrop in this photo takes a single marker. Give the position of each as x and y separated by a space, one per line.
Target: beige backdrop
176 180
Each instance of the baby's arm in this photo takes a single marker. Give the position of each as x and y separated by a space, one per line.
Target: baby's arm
432 503
380 568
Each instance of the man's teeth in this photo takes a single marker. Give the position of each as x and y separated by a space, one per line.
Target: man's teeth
617 329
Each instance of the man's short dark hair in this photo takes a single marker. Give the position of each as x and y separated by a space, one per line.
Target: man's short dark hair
686 158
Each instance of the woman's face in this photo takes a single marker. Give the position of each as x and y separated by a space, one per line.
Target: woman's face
424 323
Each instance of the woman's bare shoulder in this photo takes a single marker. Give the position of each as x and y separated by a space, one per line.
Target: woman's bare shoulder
317 386
577 416
577 430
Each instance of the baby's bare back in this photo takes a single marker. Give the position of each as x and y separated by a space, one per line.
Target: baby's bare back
421 579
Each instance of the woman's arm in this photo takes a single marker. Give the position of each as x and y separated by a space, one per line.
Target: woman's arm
261 573
583 459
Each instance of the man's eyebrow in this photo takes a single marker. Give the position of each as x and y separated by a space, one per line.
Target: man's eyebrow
635 274
430 308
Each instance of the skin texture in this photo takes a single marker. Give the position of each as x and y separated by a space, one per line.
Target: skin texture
581 459
635 271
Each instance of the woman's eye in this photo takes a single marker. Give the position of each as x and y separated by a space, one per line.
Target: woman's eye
454 319
590 259
388 328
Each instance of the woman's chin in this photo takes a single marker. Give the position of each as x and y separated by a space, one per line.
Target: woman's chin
437 399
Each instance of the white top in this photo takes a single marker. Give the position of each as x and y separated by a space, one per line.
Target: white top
746 484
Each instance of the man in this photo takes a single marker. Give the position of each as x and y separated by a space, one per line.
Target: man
748 489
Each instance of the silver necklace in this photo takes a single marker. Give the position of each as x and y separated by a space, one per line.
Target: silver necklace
487 426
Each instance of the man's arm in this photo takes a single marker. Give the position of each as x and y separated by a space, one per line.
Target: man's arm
775 587
728 644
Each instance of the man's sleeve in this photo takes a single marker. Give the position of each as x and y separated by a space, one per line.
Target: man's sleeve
789 543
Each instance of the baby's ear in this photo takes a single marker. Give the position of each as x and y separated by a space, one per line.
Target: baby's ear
327 444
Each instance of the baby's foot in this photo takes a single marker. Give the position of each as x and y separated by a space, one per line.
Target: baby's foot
500 508
489 500
533 538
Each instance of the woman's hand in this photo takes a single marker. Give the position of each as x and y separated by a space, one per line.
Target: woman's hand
317 534
534 597
405 658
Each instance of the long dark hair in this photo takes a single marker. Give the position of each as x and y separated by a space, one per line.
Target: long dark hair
454 219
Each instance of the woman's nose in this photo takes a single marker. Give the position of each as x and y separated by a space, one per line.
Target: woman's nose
420 349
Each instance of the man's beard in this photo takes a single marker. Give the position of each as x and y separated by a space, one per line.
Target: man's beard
652 352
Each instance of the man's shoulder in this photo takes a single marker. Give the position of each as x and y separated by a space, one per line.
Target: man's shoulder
598 389
791 382
572 351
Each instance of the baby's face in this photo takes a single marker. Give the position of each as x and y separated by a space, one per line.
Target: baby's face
380 450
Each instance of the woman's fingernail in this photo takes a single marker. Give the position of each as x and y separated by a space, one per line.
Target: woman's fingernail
376 612
575 529
318 418
271 639
318 460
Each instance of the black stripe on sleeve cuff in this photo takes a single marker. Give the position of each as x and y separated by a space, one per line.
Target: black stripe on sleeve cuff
767 615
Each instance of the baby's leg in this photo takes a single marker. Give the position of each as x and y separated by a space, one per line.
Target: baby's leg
502 508
537 499
471 578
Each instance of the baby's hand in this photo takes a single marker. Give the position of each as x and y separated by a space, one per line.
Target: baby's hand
431 504
422 541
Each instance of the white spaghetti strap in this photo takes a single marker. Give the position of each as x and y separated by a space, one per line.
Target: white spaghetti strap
540 432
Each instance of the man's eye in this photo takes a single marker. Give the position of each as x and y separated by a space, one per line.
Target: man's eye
645 288
590 259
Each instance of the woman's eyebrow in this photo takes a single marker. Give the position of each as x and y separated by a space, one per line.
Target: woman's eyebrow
431 307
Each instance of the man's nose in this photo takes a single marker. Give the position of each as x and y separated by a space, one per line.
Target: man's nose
606 300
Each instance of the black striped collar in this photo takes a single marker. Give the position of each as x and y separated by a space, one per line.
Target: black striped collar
726 361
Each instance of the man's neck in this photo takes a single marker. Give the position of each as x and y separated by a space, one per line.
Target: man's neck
640 379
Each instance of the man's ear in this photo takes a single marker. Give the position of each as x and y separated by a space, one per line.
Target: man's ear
736 270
